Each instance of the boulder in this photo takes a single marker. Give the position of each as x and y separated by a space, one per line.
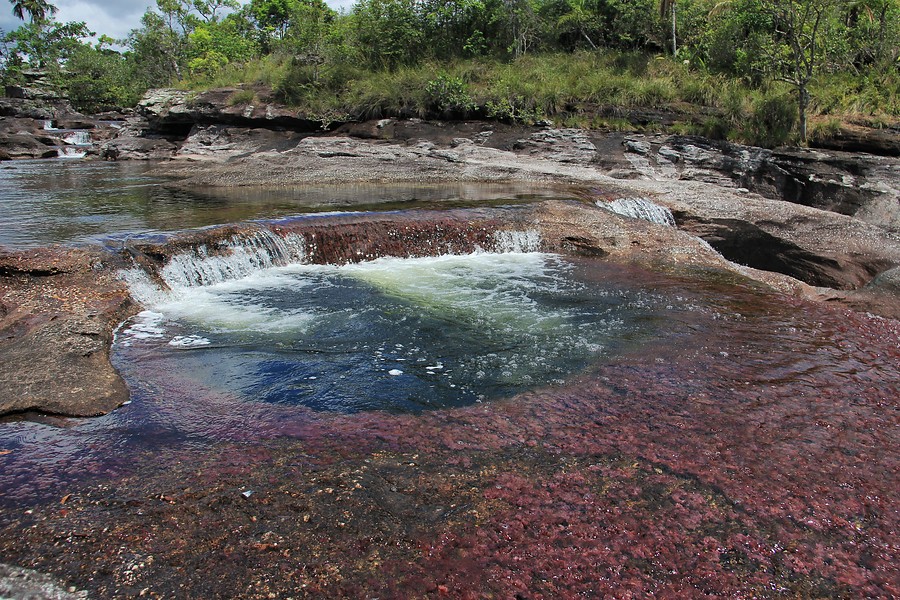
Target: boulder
23 145
221 142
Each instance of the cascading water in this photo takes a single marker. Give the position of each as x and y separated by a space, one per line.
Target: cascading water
398 334
640 208
78 138
70 152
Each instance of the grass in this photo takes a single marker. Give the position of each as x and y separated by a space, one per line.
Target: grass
601 89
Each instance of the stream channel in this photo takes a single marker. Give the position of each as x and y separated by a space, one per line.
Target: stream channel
681 419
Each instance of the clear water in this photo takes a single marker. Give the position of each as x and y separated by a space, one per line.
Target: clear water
78 202
401 335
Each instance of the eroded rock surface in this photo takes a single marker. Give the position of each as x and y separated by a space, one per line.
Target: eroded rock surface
58 309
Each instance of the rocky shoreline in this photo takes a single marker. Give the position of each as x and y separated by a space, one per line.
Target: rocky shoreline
822 225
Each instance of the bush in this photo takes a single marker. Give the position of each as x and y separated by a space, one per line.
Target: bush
449 95
771 121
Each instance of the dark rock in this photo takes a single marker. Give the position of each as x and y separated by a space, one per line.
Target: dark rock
15 107
882 142
747 243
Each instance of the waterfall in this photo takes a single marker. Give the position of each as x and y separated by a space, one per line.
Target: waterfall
212 259
71 153
236 258
78 138
48 126
244 255
640 208
517 241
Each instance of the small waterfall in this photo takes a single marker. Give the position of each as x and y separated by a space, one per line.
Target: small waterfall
207 258
640 208
48 126
78 138
517 241
71 152
243 256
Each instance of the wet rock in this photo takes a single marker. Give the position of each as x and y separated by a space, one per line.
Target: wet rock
60 308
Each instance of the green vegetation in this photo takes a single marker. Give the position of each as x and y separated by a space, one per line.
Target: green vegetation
750 70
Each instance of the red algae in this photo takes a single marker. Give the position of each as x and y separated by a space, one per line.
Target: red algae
750 452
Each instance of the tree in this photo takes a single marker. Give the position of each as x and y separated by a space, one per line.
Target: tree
798 26
45 44
159 48
37 10
389 33
667 10
580 18
209 9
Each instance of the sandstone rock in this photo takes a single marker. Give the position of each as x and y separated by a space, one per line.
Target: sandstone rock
561 145
27 584
23 145
137 148
60 308
864 186
882 142
170 110
222 142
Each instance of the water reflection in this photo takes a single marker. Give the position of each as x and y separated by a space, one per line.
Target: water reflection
58 202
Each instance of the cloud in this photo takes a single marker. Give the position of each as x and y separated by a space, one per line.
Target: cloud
115 18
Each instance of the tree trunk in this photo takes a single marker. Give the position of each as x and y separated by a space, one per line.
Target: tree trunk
803 104
674 38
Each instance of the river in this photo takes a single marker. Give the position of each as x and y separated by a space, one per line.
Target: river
487 424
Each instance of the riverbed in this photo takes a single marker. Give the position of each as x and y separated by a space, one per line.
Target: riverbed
689 434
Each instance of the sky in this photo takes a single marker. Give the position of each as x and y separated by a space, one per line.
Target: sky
115 18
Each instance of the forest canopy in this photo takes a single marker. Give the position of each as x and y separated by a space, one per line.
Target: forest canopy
748 69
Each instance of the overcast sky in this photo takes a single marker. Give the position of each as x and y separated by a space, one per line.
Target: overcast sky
115 18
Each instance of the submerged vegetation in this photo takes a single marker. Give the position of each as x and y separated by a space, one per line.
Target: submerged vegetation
750 70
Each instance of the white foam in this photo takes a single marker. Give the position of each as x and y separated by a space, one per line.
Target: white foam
70 152
517 241
189 341
78 138
240 257
640 208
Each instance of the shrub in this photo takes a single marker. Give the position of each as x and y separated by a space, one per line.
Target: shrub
448 94
771 121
